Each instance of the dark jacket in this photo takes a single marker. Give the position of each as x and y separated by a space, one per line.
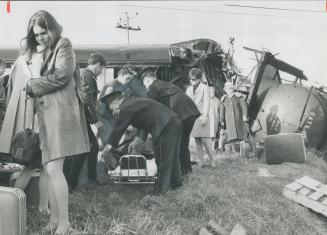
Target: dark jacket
142 113
232 111
133 88
174 98
3 105
89 93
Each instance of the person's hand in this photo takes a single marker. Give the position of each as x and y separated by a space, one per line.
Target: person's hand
107 148
100 144
29 91
99 124
130 128
136 146
203 120
245 119
222 124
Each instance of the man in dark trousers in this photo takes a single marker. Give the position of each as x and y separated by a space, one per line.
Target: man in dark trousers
88 93
176 100
154 118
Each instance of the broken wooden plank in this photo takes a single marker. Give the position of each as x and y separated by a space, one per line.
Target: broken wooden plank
324 202
313 197
304 191
238 230
316 195
294 186
308 182
204 231
216 229
312 184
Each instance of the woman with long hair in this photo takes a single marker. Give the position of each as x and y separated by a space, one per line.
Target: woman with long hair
61 120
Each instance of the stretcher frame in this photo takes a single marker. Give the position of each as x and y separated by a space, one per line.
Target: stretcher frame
137 175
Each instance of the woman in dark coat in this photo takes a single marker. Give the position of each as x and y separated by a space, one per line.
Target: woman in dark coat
233 114
61 121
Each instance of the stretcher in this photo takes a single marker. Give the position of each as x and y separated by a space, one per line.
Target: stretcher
134 169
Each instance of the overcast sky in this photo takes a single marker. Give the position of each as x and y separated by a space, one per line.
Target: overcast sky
297 30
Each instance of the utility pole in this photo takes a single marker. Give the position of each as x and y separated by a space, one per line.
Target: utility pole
124 24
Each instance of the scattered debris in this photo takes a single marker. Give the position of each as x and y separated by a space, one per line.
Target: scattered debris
214 229
238 230
263 172
309 193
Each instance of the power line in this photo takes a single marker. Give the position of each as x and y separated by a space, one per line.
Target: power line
213 12
126 26
272 8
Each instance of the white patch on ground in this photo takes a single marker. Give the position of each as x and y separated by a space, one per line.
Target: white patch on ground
263 172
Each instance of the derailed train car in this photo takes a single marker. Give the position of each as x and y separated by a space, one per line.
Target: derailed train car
170 62
277 106
274 106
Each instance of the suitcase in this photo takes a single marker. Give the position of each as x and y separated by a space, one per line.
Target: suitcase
13 211
285 148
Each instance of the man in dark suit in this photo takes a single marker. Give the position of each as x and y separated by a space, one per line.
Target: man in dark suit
176 100
129 85
88 92
156 119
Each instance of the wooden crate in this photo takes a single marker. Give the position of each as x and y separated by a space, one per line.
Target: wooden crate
214 229
309 193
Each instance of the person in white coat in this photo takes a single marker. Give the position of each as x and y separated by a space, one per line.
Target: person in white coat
199 93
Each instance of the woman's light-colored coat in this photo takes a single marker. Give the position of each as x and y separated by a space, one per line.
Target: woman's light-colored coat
16 96
61 118
201 98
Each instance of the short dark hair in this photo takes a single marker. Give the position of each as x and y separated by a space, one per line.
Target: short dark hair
127 70
115 96
148 73
195 73
97 58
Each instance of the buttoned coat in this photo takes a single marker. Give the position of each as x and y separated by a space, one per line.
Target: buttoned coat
174 98
232 111
61 119
201 99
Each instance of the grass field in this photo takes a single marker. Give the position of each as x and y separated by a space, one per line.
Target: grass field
229 194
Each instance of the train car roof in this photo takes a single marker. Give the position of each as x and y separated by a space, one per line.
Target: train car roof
116 55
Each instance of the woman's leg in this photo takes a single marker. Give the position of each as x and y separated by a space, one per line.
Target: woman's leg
44 192
199 149
54 218
58 195
207 145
